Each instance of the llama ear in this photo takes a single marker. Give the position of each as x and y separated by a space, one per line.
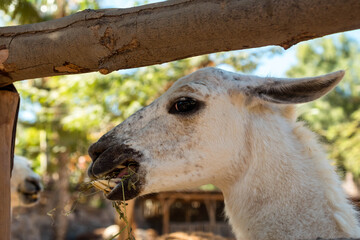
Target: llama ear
299 90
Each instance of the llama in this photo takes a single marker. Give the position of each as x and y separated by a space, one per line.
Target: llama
238 132
25 184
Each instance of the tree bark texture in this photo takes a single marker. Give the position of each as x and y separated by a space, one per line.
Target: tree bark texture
111 39
8 116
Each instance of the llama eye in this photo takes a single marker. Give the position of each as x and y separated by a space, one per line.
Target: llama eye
184 105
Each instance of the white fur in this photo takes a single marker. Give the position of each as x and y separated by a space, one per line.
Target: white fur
21 173
275 177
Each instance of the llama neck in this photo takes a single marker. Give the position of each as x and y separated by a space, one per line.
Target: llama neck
289 190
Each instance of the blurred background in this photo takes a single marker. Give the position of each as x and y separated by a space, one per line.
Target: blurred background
61 116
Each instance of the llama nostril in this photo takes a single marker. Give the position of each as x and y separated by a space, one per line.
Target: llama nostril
95 150
106 141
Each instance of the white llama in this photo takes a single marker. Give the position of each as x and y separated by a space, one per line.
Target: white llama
238 132
25 184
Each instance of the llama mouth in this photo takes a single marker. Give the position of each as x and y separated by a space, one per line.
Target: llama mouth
29 198
121 183
30 192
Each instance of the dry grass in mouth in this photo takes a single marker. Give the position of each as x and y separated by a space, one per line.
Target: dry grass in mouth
106 184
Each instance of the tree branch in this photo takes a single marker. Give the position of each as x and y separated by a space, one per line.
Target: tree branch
111 39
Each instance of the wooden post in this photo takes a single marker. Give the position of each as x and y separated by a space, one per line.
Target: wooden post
187 215
9 106
166 204
62 188
165 216
130 218
211 209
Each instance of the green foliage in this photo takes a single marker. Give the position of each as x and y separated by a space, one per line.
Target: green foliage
22 11
336 116
25 12
32 11
28 141
4 4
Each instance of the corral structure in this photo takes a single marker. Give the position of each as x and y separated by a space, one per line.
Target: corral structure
187 211
107 40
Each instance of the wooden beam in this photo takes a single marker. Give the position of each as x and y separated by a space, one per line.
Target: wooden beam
9 106
110 39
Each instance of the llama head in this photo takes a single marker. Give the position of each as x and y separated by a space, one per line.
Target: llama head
25 184
195 133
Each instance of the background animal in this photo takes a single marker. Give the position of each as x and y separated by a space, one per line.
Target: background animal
25 184
238 132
